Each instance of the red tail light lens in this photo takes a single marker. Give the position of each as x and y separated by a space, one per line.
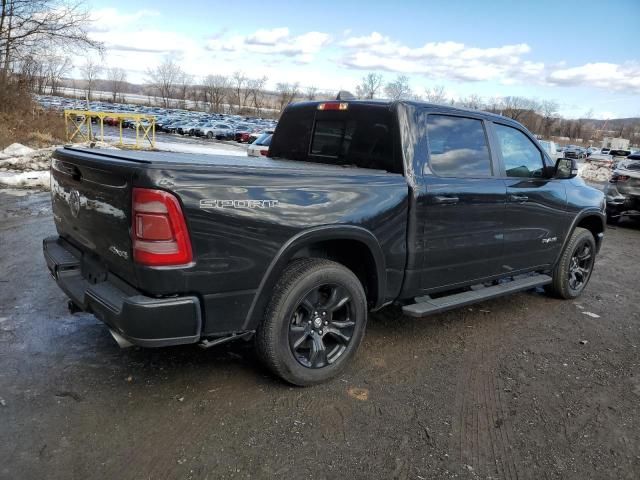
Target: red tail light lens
264 153
333 106
159 232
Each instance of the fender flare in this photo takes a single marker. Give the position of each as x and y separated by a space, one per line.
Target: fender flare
582 214
308 237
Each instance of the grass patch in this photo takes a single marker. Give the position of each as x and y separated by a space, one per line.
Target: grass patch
22 120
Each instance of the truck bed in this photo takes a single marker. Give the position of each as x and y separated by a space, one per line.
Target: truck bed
241 213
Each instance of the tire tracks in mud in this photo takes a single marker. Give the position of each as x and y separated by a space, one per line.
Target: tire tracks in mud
482 440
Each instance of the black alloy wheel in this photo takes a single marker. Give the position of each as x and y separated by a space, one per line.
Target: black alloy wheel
575 266
580 265
322 326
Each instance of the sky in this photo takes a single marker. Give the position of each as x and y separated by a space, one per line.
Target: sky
583 54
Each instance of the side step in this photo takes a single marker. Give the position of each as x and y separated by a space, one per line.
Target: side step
427 305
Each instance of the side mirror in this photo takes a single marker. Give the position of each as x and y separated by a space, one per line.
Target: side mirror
566 168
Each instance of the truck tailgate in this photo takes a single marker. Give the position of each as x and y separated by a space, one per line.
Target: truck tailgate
91 207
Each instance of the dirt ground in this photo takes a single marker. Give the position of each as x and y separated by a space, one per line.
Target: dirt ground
524 387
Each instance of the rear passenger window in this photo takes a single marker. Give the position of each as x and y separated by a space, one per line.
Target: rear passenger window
458 147
332 138
362 135
521 157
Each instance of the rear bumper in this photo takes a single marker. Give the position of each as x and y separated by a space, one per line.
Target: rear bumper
139 319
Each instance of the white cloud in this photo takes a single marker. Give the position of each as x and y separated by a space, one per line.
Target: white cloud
448 60
135 42
276 41
612 76
109 19
268 37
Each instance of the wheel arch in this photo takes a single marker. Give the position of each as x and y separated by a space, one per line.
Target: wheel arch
354 247
591 219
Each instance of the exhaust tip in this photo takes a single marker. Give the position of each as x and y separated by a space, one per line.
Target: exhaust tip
122 342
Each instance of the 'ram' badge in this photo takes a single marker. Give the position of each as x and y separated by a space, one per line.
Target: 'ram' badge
74 203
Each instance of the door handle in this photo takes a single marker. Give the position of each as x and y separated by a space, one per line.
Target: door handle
518 198
445 200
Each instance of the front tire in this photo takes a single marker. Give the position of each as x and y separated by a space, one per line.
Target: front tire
314 323
573 271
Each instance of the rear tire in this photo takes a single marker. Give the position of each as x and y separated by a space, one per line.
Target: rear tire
573 271
314 322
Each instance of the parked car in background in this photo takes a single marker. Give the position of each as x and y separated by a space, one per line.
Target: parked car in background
242 132
592 150
605 151
573 151
551 148
260 147
221 131
623 190
618 155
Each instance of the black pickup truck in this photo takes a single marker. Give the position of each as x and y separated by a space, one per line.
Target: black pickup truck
358 205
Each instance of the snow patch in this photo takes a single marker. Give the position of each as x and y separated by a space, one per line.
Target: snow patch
596 170
17 150
37 179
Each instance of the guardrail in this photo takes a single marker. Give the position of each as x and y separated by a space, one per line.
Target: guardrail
79 126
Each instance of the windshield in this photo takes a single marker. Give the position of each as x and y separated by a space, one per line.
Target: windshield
619 153
263 140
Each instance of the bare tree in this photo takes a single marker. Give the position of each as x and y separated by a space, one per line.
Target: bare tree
548 109
90 70
196 93
517 107
163 80
255 93
494 105
436 94
56 68
184 82
117 79
216 88
311 93
369 86
32 27
287 93
399 89
239 81
473 101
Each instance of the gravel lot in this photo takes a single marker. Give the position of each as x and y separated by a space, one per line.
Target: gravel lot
524 387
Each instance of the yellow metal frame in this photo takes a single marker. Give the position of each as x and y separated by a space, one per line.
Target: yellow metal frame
81 128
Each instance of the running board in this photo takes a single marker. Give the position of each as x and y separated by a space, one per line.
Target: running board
427 305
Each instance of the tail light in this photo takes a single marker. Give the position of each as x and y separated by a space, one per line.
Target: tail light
159 232
618 178
264 153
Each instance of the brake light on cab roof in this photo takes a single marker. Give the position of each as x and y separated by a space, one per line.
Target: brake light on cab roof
333 106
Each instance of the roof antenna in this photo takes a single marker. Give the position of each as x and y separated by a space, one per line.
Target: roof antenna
345 95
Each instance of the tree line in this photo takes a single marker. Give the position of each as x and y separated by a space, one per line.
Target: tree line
539 116
238 93
38 37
